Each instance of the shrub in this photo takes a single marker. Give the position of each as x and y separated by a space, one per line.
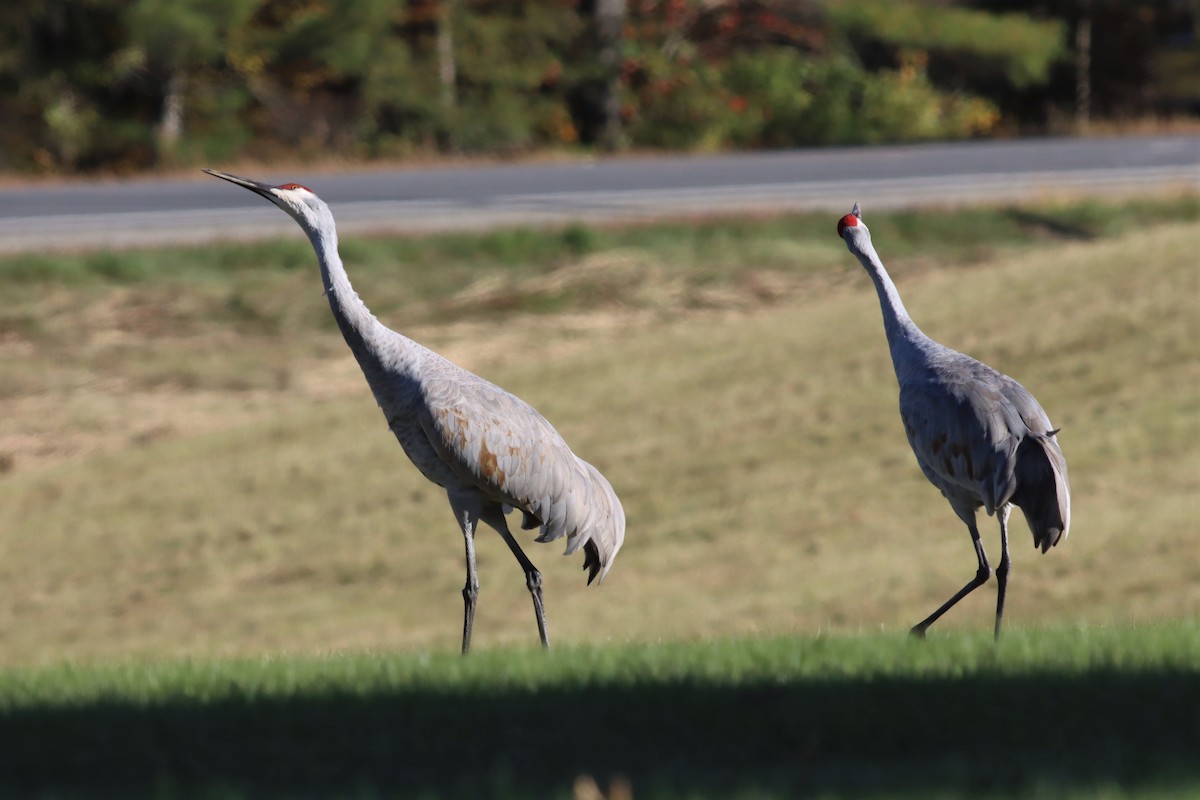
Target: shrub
788 99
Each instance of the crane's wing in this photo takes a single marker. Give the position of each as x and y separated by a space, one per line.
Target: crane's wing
964 421
502 446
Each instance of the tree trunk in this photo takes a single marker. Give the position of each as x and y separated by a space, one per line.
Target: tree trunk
609 15
447 74
170 124
1083 69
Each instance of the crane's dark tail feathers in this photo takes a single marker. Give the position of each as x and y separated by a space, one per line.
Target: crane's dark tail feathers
591 561
1043 491
591 553
588 513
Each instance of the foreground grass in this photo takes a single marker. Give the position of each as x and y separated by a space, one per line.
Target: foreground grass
1048 712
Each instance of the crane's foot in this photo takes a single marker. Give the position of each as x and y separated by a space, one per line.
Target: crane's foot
918 631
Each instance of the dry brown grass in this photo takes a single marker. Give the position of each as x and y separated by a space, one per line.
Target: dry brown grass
260 505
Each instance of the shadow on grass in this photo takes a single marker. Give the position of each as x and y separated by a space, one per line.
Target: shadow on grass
1058 225
847 737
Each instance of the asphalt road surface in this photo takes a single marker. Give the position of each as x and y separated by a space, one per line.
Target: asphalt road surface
150 212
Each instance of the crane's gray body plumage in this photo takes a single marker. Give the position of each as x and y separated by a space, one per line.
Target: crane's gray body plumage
490 450
978 435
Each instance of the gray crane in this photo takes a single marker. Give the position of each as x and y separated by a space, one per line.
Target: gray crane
491 451
978 435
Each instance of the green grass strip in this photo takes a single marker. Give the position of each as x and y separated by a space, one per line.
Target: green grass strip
1056 712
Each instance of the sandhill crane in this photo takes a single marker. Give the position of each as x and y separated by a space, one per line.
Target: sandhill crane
491 451
978 435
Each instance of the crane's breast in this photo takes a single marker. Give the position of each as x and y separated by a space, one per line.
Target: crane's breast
421 451
961 440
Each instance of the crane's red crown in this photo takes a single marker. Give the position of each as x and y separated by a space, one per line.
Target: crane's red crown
287 187
848 221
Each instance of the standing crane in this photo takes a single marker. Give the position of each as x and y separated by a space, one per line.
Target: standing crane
979 436
491 451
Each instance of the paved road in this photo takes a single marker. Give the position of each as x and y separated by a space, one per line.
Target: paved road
124 214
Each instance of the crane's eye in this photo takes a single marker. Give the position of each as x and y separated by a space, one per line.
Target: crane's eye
287 187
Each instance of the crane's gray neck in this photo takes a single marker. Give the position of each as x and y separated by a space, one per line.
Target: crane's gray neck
903 335
374 345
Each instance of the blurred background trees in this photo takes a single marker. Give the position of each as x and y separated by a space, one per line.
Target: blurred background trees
121 85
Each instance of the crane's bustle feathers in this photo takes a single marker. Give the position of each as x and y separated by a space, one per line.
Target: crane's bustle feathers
514 456
1043 493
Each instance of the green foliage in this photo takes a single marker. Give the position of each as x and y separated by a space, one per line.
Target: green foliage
778 97
179 33
320 75
777 93
903 106
680 100
510 65
1025 47
215 130
113 85
785 99
56 72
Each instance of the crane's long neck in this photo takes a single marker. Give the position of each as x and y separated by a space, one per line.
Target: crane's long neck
377 348
904 338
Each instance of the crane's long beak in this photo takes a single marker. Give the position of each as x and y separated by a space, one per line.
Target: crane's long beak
255 186
855 211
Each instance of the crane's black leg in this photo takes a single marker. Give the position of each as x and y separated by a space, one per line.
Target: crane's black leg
984 572
533 578
470 591
1003 567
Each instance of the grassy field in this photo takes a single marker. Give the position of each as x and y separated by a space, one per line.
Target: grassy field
192 469
1051 712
